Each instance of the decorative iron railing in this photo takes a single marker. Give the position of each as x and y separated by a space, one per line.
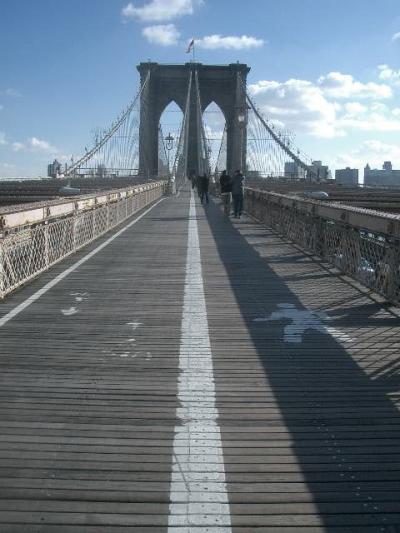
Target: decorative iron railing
362 243
32 240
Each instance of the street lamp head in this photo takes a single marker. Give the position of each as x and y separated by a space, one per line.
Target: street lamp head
242 117
169 139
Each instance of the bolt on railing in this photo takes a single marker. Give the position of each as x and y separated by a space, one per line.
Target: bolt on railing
361 243
35 239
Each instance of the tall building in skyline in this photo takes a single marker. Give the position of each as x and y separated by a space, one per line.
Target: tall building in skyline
387 177
54 169
294 171
320 171
347 176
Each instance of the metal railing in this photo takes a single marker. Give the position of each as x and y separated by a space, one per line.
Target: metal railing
362 243
36 238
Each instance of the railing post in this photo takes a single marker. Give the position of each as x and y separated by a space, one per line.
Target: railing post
74 231
108 216
46 246
93 223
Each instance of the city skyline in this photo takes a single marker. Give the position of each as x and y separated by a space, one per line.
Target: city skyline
329 73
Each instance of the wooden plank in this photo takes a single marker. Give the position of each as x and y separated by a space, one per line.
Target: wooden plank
300 418
310 431
88 405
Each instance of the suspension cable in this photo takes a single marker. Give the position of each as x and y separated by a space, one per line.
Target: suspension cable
108 134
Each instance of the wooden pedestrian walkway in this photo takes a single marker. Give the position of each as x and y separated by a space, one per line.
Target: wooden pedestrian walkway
198 374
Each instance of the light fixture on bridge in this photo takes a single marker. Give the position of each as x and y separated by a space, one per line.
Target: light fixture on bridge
170 141
242 118
169 144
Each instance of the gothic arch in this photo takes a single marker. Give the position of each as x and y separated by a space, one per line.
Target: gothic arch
214 121
224 85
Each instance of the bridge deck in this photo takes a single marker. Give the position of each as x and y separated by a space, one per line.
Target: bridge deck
97 386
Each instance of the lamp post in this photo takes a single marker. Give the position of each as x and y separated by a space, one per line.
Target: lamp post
169 144
242 123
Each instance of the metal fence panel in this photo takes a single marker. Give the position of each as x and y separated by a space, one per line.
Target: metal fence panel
370 256
27 251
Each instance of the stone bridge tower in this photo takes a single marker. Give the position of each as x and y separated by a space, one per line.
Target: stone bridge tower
222 84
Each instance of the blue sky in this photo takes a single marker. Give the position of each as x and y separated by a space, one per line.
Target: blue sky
327 69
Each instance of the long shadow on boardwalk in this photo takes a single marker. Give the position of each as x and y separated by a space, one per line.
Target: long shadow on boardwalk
341 427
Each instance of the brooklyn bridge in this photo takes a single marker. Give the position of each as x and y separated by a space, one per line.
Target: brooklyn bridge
168 368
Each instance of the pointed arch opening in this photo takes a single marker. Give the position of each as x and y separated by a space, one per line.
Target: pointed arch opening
169 124
214 125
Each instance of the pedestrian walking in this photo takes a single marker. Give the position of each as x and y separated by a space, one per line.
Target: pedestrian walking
203 183
193 178
237 193
226 187
198 185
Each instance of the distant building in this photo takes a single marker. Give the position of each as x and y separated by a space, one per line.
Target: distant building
294 171
387 177
54 169
319 172
347 176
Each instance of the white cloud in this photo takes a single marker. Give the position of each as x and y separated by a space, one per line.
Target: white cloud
3 140
315 108
33 144
12 93
396 37
165 35
37 144
214 117
376 117
230 42
298 104
378 107
214 137
355 108
373 152
389 75
338 85
17 146
160 10
213 134
372 121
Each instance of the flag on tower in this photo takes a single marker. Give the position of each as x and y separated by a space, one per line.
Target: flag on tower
190 46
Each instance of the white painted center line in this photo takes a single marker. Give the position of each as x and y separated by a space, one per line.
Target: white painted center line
199 497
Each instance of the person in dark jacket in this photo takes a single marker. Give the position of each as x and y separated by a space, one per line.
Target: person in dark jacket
237 193
193 178
226 187
203 183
